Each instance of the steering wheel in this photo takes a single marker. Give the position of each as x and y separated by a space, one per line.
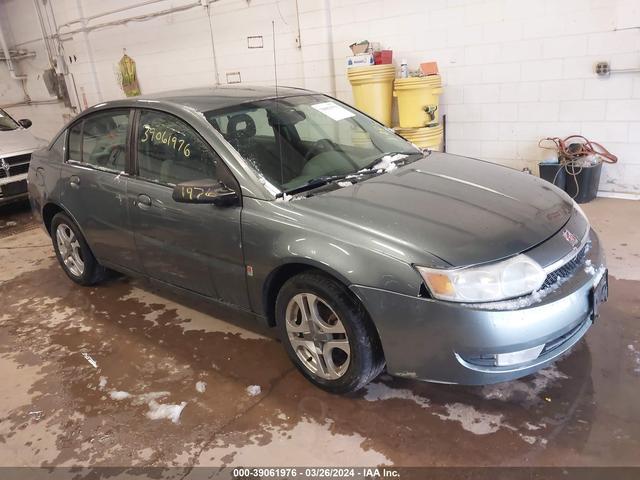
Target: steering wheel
321 146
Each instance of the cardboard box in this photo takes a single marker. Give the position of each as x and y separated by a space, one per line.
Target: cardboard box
362 60
429 68
359 47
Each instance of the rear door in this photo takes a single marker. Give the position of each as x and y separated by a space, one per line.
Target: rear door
94 190
194 246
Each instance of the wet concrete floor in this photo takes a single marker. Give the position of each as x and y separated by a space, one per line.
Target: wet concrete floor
96 376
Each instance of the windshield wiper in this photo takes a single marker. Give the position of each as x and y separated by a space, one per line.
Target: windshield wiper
322 181
379 159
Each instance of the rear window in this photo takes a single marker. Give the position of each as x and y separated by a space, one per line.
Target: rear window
100 140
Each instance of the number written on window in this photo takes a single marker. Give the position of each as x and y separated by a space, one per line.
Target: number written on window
166 137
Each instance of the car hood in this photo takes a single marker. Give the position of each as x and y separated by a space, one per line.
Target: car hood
461 210
17 141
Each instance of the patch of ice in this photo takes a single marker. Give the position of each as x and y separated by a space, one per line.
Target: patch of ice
10 224
471 419
529 439
387 163
531 426
344 184
521 302
102 383
159 411
119 395
380 391
284 198
37 414
253 390
147 397
201 387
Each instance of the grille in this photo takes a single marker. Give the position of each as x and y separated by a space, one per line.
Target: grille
567 269
561 340
10 166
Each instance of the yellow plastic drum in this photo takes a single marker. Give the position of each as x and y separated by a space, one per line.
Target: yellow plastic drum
418 100
431 138
373 90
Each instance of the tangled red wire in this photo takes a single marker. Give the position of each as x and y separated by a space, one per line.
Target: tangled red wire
568 150
570 154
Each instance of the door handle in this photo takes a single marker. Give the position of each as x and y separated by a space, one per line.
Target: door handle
74 181
144 201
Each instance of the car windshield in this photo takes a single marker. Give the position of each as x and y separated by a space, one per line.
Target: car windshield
296 141
6 122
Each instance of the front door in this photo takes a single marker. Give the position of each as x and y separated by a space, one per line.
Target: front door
194 246
95 185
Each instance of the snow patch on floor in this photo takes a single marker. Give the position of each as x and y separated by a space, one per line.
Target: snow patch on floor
119 395
201 387
253 390
380 391
159 411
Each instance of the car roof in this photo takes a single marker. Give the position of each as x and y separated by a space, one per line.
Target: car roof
213 98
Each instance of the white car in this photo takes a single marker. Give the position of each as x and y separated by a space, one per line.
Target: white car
16 147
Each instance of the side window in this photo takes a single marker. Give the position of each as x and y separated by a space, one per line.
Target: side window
171 152
104 140
58 146
75 142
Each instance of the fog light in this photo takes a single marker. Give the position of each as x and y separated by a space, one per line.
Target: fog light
521 356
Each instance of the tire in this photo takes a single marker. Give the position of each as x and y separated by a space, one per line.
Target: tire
340 321
73 253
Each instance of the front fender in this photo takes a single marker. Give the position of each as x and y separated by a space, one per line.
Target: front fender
274 237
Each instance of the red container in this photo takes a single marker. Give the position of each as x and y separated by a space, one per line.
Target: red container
383 57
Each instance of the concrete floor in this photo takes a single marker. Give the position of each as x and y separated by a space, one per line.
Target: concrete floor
60 409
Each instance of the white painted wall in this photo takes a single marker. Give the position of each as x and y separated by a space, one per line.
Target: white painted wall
514 70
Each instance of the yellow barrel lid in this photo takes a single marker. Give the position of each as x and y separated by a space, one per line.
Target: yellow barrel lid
418 82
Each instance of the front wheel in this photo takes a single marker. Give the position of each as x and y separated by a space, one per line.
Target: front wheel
73 253
327 333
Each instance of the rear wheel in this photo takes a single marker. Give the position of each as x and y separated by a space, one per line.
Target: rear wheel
73 253
327 333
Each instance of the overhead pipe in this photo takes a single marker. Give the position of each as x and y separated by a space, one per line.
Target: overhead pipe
109 12
146 16
45 37
7 58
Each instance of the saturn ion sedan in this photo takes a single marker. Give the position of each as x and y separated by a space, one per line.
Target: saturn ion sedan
364 251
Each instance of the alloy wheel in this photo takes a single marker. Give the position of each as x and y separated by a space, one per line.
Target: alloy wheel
70 249
317 336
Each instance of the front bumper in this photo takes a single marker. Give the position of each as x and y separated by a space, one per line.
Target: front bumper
446 342
13 188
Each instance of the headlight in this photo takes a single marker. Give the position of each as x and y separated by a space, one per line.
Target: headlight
517 276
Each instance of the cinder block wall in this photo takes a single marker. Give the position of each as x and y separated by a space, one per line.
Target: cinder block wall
514 70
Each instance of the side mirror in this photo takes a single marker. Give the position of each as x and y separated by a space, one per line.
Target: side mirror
25 122
205 191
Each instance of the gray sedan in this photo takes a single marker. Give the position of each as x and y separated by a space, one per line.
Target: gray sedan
362 250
